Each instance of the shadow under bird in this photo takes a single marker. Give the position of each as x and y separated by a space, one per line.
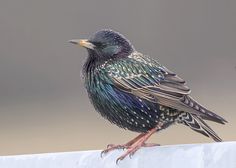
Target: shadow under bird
137 93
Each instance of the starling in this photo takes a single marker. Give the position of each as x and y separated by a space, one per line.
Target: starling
137 93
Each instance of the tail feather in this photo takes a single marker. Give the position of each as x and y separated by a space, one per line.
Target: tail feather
198 125
202 111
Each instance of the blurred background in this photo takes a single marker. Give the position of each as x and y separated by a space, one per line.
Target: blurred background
43 104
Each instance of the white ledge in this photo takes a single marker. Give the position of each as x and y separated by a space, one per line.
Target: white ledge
212 155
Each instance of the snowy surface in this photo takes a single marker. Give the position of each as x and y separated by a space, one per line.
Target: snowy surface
213 155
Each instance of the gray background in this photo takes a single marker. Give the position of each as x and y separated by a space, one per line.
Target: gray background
43 105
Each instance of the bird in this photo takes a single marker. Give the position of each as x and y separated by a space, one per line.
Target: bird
137 93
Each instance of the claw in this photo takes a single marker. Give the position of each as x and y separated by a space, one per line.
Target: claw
132 153
110 145
130 156
102 153
105 152
119 159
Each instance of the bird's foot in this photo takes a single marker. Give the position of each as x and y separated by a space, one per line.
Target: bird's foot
140 142
111 147
133 145
132 149
136 146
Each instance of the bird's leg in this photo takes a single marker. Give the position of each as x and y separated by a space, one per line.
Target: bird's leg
139 143
111 147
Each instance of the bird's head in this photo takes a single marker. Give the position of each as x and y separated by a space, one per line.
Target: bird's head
106 44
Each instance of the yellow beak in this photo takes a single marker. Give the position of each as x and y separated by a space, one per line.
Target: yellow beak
83 42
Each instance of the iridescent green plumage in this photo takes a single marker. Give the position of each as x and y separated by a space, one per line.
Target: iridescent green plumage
137 93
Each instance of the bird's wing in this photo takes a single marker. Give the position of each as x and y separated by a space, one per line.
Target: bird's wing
141 75
149 80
